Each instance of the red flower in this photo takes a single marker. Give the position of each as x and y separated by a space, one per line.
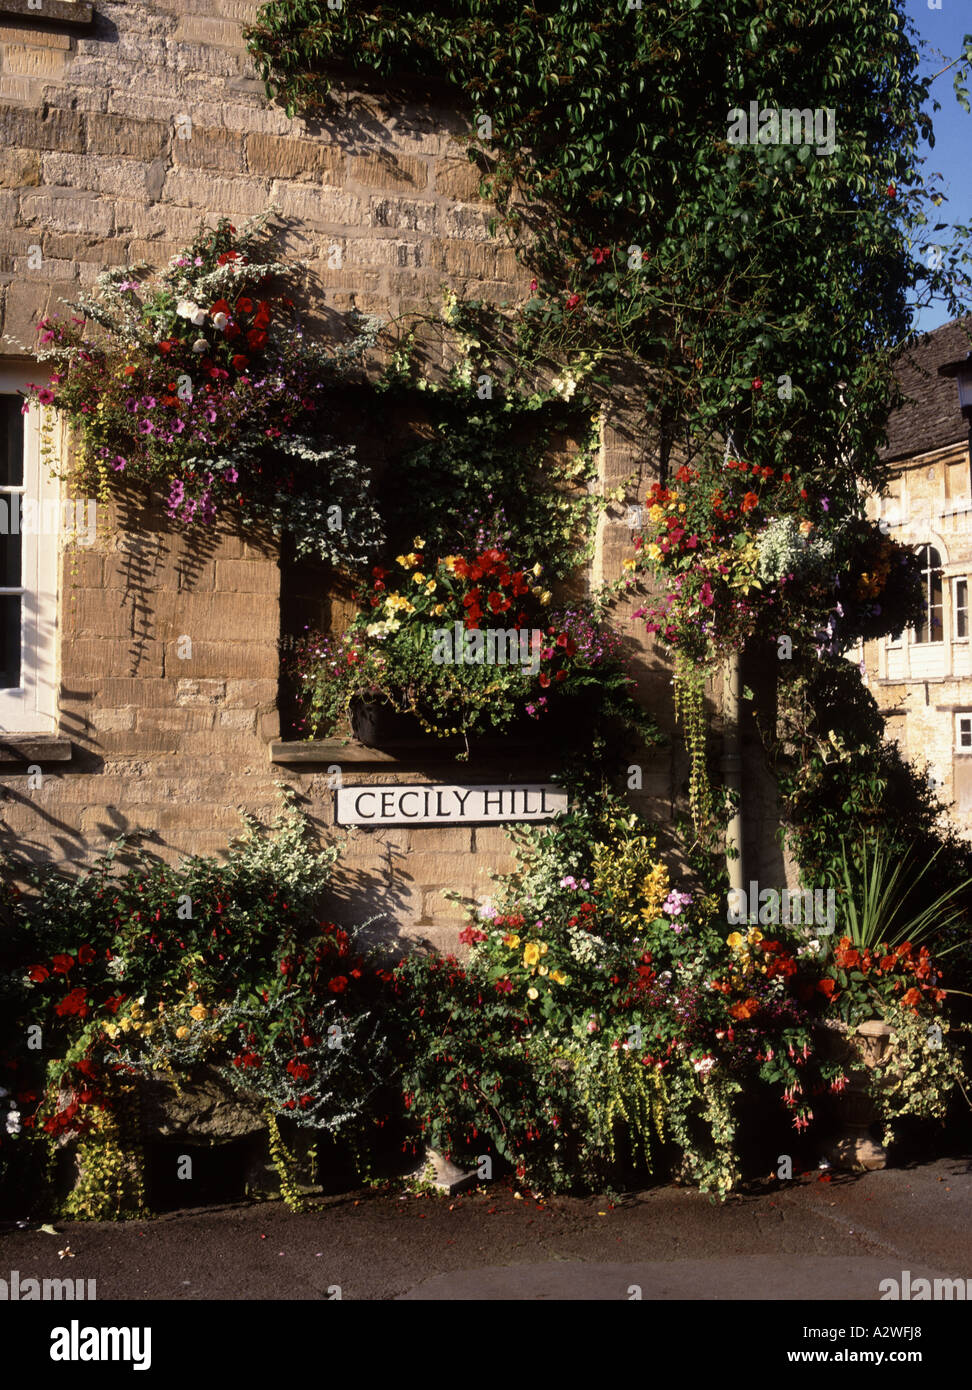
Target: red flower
114 1003
600 254
62 964
749 502
73 1003
256 338
786 477
220 307
827 987
240 362
544 679
86 954
166 346
572 302
338 984
38 973
892 191
757 383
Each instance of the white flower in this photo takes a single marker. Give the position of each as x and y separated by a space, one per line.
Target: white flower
13 1121
198 318
200 346
220 321
187 310
703 1065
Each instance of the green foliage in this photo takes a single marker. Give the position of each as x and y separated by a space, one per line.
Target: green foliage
717 264
161 969
880 893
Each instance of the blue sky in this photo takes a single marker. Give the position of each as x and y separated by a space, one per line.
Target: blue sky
943 31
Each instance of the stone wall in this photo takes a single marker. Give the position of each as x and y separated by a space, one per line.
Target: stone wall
921 687
115 143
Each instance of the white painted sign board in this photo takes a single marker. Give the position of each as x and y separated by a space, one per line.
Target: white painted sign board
448 805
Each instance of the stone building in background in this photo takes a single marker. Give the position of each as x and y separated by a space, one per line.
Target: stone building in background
922 678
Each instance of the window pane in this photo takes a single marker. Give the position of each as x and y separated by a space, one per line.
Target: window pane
10 547
961 608
9 642
11 442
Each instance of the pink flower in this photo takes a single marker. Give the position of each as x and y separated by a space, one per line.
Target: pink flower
705 595
44 396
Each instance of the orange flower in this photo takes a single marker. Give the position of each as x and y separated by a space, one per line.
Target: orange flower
911 997
744 1009
749 502
827 987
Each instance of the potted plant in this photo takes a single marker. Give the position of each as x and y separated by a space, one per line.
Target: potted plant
458 646
881 967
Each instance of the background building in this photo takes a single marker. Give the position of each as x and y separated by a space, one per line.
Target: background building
922 678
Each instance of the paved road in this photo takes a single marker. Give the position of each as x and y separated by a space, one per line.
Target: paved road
807 1239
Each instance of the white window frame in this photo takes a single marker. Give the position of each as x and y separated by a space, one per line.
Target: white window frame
926 597
963 716
958 579
32 706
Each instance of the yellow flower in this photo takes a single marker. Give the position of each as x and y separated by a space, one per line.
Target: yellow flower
198 1012
654 551
734 940
430 587
111 1029
537 570
438 610
418 543
656 513
543 948
418 577
681 507
449 562
531 953
542 970
532 993
182 1032
558 976
545 597
511 941
628 564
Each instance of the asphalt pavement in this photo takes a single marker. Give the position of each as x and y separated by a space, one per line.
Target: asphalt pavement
816 1237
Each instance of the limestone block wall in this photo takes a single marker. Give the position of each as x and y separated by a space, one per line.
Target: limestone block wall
114 143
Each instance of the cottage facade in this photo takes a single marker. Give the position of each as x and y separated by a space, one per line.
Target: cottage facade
140 665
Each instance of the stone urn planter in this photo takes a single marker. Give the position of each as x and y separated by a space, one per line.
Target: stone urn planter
853 1112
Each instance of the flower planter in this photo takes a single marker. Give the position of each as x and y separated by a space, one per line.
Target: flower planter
376 724
854 1112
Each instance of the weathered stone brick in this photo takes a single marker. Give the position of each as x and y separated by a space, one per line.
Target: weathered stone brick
26 60
247 577
51 130
19 169
69 210
127 137
225 660
209 149
403 215
291 157
392 171
226 33
231 196
458 179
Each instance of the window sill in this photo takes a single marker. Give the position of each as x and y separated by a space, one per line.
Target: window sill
34 748
76 13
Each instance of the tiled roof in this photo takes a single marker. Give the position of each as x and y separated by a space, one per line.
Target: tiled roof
931 418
